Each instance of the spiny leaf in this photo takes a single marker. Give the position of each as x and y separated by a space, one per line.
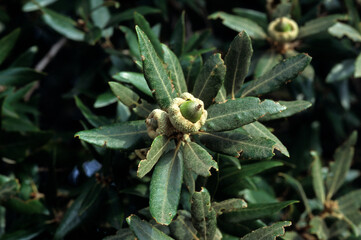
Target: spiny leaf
319 25
198 159
235 144
268 233
159 146
210 79
154 71
343 158
145 231
203 215
238 112
165 187
7 43
117 136
237 61
317 179
257 129
240 24
292 107
278 75
175 70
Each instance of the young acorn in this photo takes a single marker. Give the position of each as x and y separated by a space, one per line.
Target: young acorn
283 30
158 124
187 113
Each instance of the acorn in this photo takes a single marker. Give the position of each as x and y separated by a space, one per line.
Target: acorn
158 123
283 30
187 113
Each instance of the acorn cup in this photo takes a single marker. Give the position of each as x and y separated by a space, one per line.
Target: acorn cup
283 30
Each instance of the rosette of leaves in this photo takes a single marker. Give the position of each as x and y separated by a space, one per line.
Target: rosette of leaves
231 129
334 212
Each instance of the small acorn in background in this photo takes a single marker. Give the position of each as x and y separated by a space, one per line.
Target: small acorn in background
283 30
187 113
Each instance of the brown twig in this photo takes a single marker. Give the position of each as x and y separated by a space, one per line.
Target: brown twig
44 63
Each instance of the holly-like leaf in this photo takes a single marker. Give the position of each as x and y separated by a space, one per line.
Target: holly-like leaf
62 24
154 71
255 211
198 159
258 17
159 146
203 215
191 66
269 232
134 78
7 43
229 205
19 76
292 107
175 70
240 24
165 187
317 179
237 61
144 230
177 39
210 79
257 129
235 143
319 25
278 75
182 228
338 170
117 136
238 112
341 29
144 25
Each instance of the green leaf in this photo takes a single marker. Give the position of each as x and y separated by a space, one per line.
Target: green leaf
136 79
165 187
358 66
240 24
319 228
268 233
317 179
105 99
353 14
8 188
131 39
237 61
129 14
175 70
7 43
257 129
99 13
198 159
31 6
282 10
278 75
94 120
130 99
62 24
238 112
210 79
196 41
30 206
266 62
145 27
221 96
145 231
341 29
341 71
122 234
177 38
154 72
19 76
191 66
258 17
296 185
319 25
182 228
26 58
117 136
159 146
338 170
229 205
349 206
255 211
292 107
203 215
235 144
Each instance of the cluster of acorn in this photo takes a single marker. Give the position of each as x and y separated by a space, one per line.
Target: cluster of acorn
186 114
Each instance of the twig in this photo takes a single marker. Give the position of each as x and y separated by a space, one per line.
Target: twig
44 63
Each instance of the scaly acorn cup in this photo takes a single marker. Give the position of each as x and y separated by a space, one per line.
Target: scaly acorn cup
283 30
187 113
158 124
